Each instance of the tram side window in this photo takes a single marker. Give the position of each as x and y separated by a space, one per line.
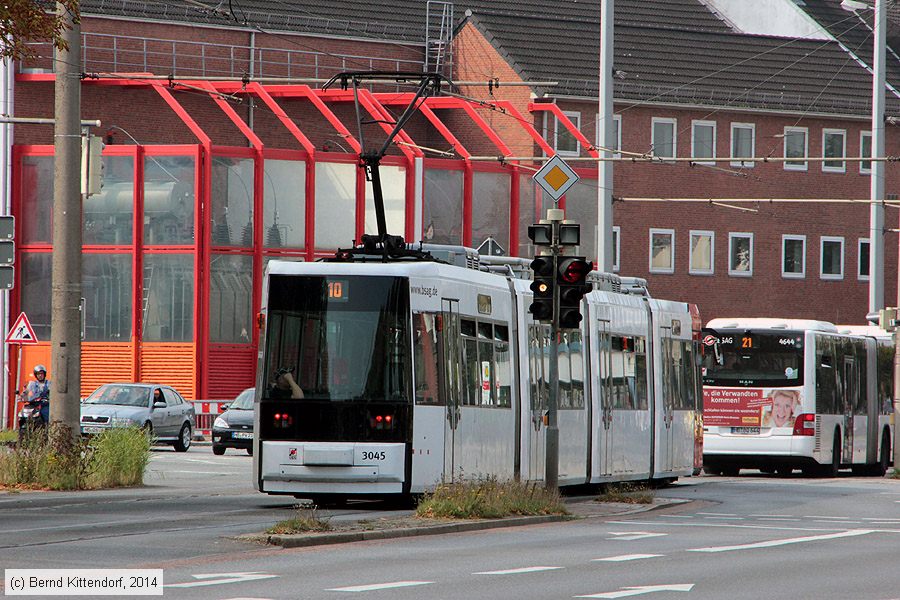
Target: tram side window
826 376
425 355
862 392
678 379
623 369
564 364
486 364
503 371
640 373
576 358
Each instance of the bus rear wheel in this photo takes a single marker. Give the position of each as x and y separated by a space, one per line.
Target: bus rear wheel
832 468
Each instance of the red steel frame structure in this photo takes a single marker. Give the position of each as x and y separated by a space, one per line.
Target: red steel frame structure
207 356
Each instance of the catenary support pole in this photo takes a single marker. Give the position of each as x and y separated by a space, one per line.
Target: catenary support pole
605 249
551 449
65 320
876 183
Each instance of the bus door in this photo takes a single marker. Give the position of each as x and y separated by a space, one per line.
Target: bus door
450 360
604 391
849 400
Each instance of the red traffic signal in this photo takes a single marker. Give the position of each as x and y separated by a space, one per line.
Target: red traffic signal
574 270
571 275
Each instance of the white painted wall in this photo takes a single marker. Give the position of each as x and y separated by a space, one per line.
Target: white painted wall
781 18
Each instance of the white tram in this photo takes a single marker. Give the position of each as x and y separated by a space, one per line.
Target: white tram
419 372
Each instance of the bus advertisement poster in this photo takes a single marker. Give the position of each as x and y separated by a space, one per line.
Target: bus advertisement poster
753 407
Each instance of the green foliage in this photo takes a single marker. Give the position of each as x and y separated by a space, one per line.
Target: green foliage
22 21
115 458
629 493
10 435
306 520
120 457
490 498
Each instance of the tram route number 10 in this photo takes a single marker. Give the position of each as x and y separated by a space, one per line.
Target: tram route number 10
338 291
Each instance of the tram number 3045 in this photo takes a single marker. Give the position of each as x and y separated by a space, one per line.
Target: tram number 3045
373 455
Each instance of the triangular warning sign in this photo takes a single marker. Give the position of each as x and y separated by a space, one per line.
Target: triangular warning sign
21 332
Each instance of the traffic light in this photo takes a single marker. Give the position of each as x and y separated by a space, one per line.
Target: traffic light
572 279
543 287
7 251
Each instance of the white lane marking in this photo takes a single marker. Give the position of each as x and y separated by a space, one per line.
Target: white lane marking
220 578
725 518
824 517
518 571
882 519
627 536
199 472
777 519
718 514
644 589
677 516
784 542
378 586
838 522
725 525
625 557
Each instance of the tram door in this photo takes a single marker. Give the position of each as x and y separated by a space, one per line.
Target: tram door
666 438
450 360
604 390
539 382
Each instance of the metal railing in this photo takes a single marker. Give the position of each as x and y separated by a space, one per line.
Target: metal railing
109 53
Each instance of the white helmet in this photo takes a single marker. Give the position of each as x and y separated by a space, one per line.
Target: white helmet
40 369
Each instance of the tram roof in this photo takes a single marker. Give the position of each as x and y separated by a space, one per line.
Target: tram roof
389 269
772 323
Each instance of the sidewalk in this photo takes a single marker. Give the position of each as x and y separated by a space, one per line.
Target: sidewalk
408 526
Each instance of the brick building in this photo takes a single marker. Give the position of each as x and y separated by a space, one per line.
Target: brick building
223 151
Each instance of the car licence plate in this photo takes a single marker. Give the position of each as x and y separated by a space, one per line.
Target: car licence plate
745 430
242 435
91 429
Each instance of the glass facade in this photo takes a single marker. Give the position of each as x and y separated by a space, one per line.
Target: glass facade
168 297
37 198
335 205
231 201
169 183
442 212
393 187
107 289
230 298
284 204
490 208
109 216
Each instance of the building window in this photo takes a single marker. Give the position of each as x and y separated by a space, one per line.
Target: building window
335 204
795 147
230 298
740 254
168 288
109 215
832 258
564 142
862 272
793 256
662 250
834 145
743 143
664 137
703 141
617 237
865 149
702 252
617 135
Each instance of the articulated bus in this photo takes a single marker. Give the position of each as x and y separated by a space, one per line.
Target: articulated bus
785 394
421 372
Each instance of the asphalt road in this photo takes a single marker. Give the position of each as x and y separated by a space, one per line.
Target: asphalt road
746 537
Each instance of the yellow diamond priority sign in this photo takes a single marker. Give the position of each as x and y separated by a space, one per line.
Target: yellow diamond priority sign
555 177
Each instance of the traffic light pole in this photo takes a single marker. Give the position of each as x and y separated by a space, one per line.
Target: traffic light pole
551 467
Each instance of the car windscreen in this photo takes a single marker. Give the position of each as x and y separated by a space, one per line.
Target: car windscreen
244 401
120 396
748 357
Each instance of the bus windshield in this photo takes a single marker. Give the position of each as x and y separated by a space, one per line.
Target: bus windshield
342 338
743 358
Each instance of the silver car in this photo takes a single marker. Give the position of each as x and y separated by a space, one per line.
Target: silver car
158 409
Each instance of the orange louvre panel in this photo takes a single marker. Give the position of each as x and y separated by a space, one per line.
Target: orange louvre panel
232 369
104 362
171 364
39 354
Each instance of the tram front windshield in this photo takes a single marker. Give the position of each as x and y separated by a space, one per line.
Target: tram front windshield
344 339
745 358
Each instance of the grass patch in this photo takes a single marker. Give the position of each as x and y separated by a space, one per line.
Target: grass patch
490 499
115 458
629 493
10 435
307 520
895 473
